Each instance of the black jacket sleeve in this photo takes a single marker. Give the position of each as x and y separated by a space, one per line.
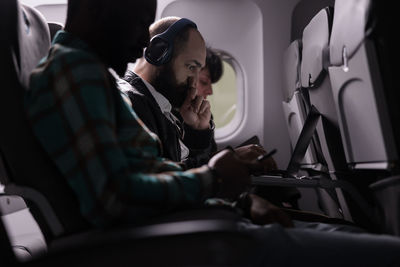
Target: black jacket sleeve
201 144
148 111
142 108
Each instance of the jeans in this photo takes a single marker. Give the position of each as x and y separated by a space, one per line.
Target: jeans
316 244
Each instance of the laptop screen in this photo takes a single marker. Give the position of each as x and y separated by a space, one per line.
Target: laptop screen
303 141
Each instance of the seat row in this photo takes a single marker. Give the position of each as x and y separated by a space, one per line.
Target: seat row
340 67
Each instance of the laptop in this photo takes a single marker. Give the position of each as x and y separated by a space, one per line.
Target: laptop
301 146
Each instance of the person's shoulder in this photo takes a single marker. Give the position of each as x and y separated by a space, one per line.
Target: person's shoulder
63 58
61 51
142 102
67 67
139 100
134 90
136 85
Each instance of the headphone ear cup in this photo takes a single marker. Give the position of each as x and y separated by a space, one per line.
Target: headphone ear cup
158 52
147 56
161 46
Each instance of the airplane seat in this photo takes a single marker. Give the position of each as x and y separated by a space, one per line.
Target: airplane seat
207 240
349 200
355 74
315 82
26 238
31 173
33 41
296 108
294 103
314 78
366 98
303 12
54 27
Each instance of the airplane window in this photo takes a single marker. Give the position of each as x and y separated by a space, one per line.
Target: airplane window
224 98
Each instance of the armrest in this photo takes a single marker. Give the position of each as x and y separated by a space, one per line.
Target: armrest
200 242
23 232
134 234
280 181
10 204
317 182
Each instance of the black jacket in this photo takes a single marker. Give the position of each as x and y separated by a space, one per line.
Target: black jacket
201 143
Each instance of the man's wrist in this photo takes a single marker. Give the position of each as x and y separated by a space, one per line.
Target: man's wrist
212 125
205 129
201 126
243 204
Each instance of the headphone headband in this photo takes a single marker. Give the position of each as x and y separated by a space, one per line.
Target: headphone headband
161 46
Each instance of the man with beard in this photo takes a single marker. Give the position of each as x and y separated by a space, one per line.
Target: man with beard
160 88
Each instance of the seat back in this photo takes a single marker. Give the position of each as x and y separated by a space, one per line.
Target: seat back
314 78
317 91
303 12
31 41
54 27
293 104
31 173
362 74
367 118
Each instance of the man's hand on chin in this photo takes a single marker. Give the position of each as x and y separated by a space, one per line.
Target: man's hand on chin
196 111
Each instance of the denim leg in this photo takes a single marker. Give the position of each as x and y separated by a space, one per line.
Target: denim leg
309 247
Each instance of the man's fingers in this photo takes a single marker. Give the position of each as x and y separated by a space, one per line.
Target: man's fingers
254 167
196 103
190 96
221 154
260 149
250 152
192 93
205 105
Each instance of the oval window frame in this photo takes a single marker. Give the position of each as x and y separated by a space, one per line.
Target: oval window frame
229 129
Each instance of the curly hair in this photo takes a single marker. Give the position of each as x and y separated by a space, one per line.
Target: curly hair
214 65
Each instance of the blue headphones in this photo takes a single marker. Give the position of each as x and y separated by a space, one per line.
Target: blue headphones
161 46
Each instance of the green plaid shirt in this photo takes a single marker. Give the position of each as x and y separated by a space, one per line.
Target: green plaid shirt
103 150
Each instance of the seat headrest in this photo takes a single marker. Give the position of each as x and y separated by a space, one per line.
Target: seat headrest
291 69
33 41
54 27
315 54
348 30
